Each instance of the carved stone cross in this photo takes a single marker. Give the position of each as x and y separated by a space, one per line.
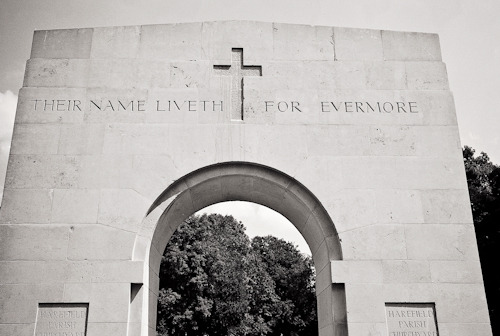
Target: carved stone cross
237 71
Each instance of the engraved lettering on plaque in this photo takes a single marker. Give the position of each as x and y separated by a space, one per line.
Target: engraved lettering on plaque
411 319
61 319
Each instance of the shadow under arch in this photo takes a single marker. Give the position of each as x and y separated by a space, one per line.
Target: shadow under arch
242 181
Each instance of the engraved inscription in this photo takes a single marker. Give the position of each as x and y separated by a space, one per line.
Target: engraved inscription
218 105
61 319
411 319
370 107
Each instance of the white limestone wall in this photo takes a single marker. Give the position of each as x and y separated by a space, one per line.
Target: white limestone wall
80 180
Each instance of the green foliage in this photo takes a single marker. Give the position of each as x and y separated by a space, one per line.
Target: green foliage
214 281
483 179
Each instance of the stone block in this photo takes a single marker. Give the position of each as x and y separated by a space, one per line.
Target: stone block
347 75
26 206
189 74
104 328
436 106
71 73
171 41
255 38
42 171
357 44
121 271
328 167
403 172
368 329
106 171
76 275
410 46
40 105
20 302
98 242
379 242
110 303
369 302
456 271
263 144
81 139
446 206
312 233
156 171
33 242
464 329
77 292
20 272
389 140
323 277
405 271
357 271
122 208
137 139
307 75
289 42
461 303
398 206
115 42
388 75
16 329
35 139
325 306
62 43
447 136
426 76
362 199
72 206
128 73
441 242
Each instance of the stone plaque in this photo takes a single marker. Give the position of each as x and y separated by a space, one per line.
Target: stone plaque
61 319
411 319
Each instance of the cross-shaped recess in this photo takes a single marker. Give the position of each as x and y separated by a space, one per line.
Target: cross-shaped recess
237 71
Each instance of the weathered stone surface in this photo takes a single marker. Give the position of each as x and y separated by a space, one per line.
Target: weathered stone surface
42 171
35 139
64 72
410 46
26 206
173 41
62 43
357 44
34 242
442 241
124 41
70 206
95 242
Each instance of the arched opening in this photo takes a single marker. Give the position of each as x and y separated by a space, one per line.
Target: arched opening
250 182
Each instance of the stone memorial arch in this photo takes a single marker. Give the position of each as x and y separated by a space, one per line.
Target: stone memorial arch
123 132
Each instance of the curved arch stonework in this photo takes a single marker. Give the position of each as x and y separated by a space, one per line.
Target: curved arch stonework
245 181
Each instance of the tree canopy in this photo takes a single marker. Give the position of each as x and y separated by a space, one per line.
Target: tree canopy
215 281
483 179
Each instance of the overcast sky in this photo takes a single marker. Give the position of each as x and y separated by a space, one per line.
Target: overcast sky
469 34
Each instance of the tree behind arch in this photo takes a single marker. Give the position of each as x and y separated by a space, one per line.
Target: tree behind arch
215 281
483 179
